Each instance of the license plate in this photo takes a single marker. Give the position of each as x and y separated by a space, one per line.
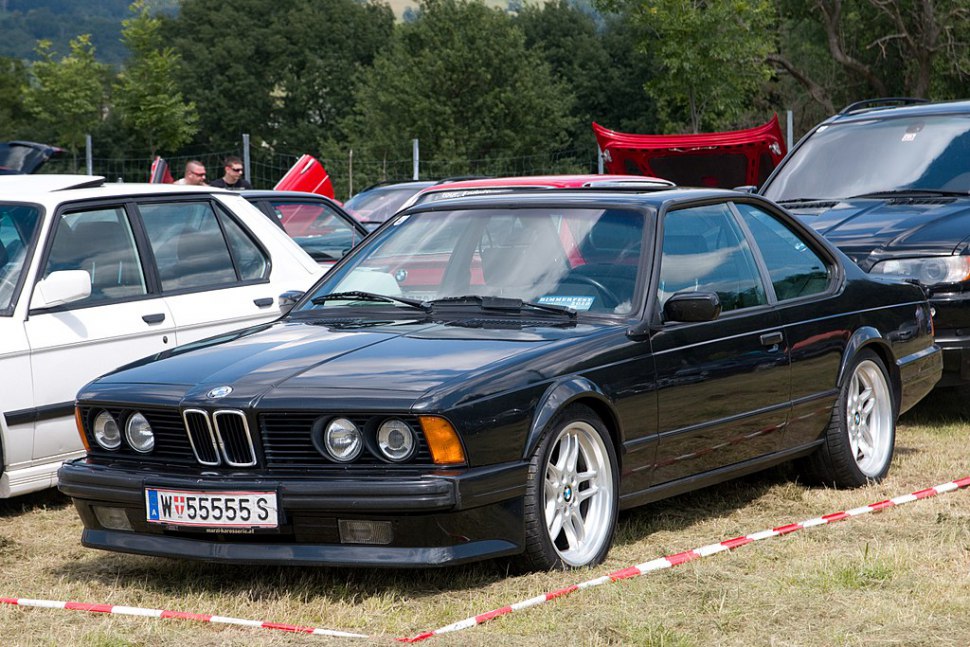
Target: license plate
212 509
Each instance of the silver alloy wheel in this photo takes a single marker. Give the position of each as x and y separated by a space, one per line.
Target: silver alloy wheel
578 494
869 418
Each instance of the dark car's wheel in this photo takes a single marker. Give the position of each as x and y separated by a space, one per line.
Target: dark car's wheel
571 495
861 435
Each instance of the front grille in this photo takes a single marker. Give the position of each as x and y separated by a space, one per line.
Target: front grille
201 437
234 438
287 440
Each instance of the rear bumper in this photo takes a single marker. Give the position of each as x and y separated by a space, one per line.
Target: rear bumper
436 519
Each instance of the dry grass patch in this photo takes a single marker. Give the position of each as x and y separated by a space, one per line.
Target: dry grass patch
900 577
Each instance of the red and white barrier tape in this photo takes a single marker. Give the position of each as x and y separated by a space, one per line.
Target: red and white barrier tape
690 555
177 615
622 574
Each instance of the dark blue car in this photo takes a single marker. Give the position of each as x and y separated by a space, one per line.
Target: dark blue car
498 376
888 182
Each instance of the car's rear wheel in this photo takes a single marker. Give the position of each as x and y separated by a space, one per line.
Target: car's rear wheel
861 435
571 494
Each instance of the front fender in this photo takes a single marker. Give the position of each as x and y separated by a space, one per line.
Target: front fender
562 393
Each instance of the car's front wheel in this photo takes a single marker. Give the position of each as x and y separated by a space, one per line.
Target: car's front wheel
861 435
571 495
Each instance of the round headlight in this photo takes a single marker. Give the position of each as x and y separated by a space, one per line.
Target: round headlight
139 434
343 440
395 440
106 431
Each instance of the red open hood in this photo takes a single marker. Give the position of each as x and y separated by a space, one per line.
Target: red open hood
725 159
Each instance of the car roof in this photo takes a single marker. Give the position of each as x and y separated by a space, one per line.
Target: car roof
551 181
270 193
897 107
579 197
55 188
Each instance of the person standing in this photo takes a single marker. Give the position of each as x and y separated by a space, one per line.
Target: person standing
232 177
194 173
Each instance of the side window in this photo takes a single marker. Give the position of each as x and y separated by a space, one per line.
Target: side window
188 244
250 260
795 270
704 250
317 228
101 243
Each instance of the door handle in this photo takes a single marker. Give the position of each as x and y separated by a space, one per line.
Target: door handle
772 338
158 317
264 302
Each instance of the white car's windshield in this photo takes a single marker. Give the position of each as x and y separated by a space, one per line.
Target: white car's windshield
928 153
583 259
17 226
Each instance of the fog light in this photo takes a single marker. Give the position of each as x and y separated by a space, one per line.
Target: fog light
112 518
365 532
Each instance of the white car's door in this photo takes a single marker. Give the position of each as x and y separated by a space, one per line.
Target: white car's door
214 274
118 323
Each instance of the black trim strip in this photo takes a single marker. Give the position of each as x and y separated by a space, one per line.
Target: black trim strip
46 412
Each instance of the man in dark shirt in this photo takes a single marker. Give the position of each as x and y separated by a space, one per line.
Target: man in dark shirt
232 178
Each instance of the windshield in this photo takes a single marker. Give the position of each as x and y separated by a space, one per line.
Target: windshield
930 152
584 259
17 226
380 203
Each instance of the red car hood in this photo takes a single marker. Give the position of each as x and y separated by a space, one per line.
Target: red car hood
726 159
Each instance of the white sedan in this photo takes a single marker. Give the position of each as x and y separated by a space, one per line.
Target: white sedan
95 275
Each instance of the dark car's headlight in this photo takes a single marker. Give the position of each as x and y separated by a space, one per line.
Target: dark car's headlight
343 440
931 270
396 440
139 433
106 431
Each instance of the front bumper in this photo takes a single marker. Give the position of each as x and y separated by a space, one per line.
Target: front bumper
437 518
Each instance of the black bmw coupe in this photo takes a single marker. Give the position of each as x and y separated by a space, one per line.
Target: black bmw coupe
499 376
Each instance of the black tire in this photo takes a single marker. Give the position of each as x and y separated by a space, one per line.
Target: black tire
572 494
861 435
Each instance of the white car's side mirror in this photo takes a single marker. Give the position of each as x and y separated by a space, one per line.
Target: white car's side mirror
61 287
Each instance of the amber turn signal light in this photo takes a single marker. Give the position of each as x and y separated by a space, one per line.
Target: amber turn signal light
80 428
443 441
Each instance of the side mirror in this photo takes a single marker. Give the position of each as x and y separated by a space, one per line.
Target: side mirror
289 299
59 288
692 307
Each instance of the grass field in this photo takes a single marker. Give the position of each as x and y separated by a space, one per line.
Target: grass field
899 577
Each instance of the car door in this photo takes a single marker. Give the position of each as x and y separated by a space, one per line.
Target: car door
119 322
317 226
723 385
213 275
804 278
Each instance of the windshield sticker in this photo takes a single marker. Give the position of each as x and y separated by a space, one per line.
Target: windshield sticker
576 303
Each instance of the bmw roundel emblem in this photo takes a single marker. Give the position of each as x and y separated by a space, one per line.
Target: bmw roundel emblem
219 392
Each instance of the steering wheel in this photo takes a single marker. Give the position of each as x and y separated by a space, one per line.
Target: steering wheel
608 296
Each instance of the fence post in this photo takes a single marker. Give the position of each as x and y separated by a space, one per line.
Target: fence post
246 173
790 124
350 174
599 160
88 155
416 156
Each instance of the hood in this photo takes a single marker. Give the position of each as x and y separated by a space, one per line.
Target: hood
296 358
870 229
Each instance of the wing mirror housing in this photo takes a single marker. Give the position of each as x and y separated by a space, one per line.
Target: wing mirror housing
289 299
60 288
692 307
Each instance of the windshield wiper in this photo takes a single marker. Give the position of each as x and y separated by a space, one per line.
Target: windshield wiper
501 304
895 193
803 201
369 296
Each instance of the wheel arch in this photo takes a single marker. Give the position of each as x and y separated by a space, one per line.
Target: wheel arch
869 338
574 390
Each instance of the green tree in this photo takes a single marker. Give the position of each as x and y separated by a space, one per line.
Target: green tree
598 58
13 84
67 98
460 79
712 56
146 93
